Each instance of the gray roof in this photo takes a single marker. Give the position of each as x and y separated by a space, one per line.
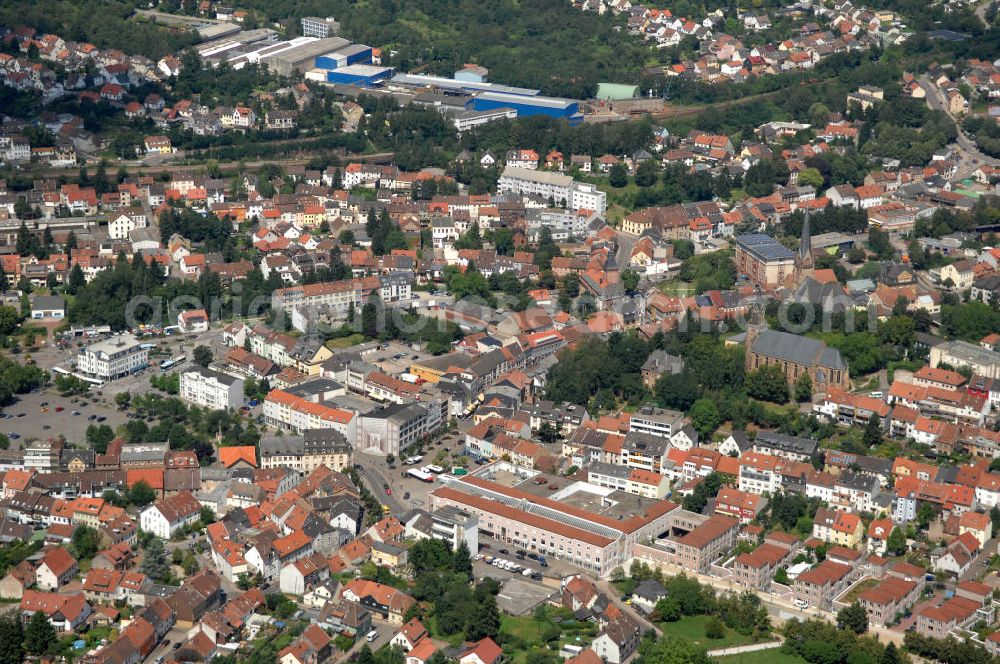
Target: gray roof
785 443
798 349
765 247
222 378
610 469
46 302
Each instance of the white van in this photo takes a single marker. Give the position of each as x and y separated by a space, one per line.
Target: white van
371 636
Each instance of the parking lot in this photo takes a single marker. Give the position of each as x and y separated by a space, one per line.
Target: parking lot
39 416
46 414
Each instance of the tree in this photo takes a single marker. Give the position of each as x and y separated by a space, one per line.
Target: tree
462 560
154 560
895 544
9 320
878 242
370 316
714 628
39 635
705 416
77 279
203 356
803 388
484 620
853 618
85 542
668 609
678 391
768 383
618 175
647 173
141 494
548 432
811 177
99 437
890 655
873 432
630 280
11 638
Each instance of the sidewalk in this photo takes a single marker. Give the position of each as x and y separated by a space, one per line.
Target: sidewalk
742 649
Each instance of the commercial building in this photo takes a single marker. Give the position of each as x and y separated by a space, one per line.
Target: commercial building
706 540
555 186
466 120
983 361
306 453
397 426
660 422
363 76
451 525
211 389
457 85
592 527
355 54
764 260
553 107
113 358
314 26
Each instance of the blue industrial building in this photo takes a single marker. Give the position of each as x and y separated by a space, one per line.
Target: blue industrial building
356 54
566 109
365 76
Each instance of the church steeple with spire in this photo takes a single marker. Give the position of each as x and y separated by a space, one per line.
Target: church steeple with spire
805 258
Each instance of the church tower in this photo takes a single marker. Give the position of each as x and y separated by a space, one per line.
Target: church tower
756 321
804 259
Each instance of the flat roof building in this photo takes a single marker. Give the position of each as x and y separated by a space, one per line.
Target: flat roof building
583 524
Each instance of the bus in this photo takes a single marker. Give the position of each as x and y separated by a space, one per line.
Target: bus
437 470
61 371
420 474
167 364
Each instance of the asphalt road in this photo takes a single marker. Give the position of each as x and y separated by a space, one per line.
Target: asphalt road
969 154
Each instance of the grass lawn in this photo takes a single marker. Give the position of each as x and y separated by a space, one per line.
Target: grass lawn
859 588
692 628
345 342
769 656
524 627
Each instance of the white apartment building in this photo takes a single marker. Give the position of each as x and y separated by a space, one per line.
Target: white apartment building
124 222
113 358
211 389
165 517
659 422
337 296
558 187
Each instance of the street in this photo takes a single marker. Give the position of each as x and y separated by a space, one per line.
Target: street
969 156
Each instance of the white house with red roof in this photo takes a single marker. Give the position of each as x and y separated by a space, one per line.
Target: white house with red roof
485 651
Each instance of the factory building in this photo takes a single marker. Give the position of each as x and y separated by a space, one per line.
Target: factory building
566 109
